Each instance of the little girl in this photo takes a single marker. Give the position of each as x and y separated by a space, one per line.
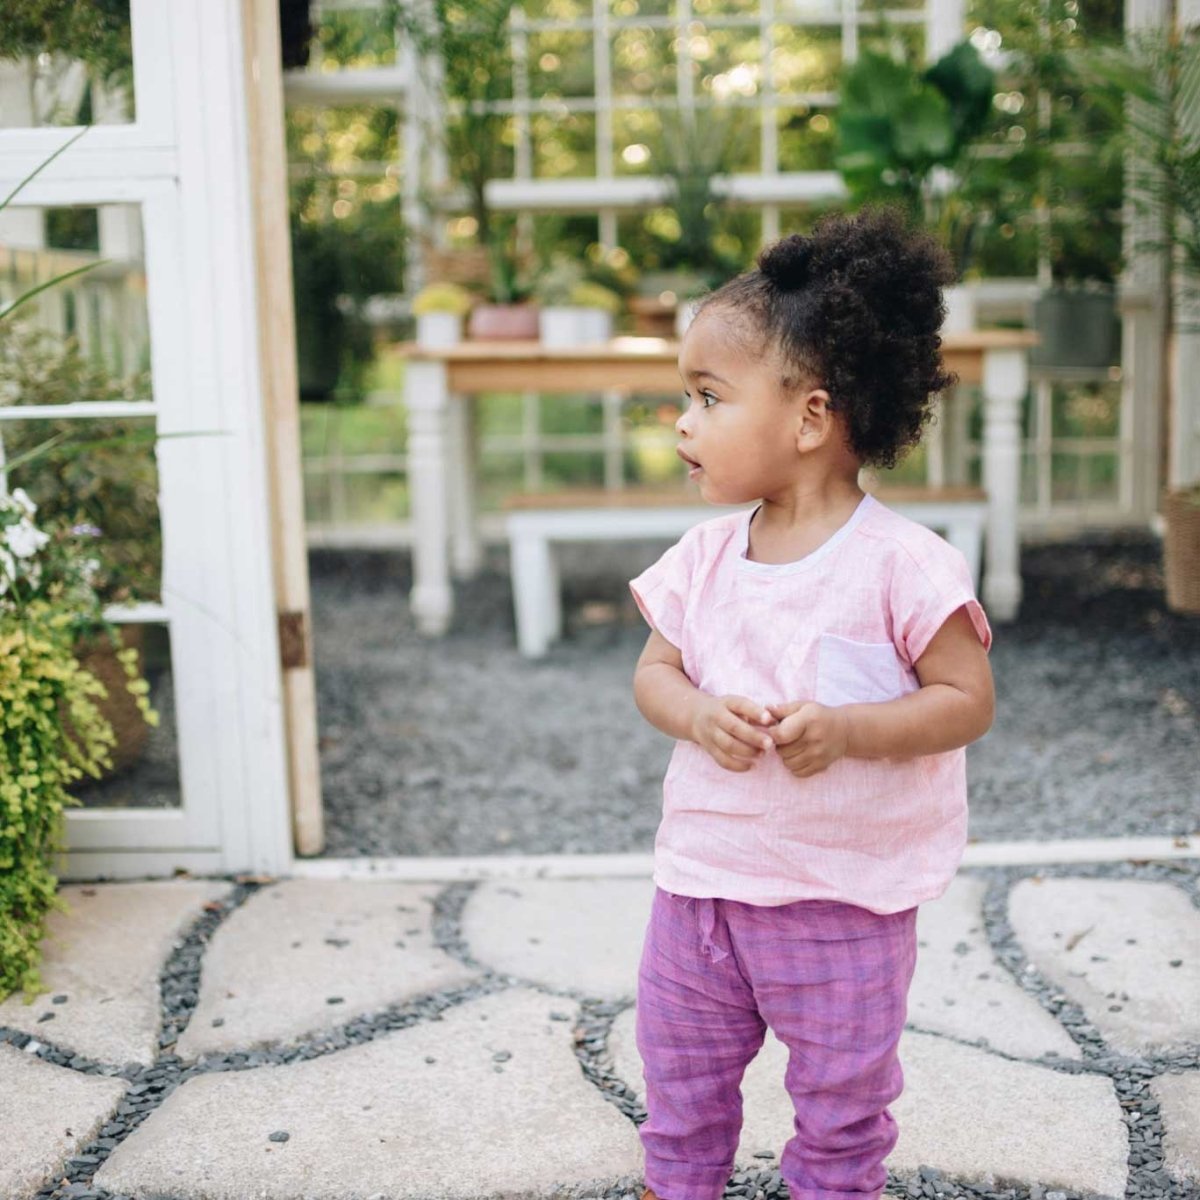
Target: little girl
821 662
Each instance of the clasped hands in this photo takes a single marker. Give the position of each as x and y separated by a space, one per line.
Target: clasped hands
807 736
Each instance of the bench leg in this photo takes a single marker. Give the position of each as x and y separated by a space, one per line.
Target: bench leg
536 601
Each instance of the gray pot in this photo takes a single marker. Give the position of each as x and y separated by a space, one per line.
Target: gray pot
1079 329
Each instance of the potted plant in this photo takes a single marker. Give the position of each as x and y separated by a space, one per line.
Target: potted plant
1158 69
903 132
572 309
439 308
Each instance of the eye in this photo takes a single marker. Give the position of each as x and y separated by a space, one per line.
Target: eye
708 398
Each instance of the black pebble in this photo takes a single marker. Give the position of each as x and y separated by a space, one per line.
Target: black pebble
280 1135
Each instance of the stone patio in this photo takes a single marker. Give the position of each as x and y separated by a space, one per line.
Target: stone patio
215 1040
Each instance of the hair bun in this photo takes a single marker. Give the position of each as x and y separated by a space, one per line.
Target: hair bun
788 263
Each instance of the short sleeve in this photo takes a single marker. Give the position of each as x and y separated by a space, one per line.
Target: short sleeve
926 592
661 591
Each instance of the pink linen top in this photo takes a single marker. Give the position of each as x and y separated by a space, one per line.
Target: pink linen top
843 625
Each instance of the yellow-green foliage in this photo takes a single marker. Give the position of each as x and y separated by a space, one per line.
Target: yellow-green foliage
595 295
442 297
40 682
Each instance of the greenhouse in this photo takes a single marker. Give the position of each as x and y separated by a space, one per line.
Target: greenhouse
417 781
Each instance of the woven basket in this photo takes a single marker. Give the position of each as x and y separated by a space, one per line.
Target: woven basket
1181 549
98 657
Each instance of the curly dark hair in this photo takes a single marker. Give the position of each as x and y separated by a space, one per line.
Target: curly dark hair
856 306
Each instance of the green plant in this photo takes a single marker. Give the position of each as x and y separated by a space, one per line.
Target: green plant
558 280
442 297
51 731
587 294
898 123
691 150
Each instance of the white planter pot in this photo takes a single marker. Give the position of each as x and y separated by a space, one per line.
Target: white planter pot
685 311
596 324
558 325
437 330
960 308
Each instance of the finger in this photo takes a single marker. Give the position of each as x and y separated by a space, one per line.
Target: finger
730 763
756 714
780 711
757 738
789 730
732 748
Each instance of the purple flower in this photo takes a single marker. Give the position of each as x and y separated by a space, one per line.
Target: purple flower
86 529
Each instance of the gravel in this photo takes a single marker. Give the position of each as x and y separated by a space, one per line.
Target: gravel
458 746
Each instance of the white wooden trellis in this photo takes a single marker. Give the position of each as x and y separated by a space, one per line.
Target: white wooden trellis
184 163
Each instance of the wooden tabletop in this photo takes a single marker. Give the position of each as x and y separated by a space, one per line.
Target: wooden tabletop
654 349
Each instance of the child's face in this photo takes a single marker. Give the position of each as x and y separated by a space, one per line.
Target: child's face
740 433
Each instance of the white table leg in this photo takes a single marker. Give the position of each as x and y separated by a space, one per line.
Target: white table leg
466 550
1004 384
536 601
427 398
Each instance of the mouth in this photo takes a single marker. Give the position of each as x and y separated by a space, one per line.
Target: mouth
694 468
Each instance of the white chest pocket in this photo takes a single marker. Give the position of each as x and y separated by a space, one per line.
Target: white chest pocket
850 672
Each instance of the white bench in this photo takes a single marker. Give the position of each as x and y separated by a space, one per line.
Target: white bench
536 522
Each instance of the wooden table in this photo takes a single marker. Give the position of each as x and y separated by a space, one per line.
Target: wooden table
441 442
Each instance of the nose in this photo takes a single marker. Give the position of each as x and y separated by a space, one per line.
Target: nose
683 424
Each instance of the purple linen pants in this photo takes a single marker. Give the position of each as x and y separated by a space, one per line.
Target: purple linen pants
830 980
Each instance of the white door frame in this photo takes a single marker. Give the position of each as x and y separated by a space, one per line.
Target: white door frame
184 161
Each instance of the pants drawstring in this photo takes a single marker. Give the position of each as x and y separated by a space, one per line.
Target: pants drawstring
707 912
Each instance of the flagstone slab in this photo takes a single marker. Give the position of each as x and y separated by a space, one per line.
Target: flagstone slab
488 1101
964 1111
306 955
101 961
961 989
46 1113
1178 1096
1127 951
580 934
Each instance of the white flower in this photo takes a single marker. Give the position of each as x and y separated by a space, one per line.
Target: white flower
24 540
22 498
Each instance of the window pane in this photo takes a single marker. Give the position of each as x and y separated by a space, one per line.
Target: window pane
806 138
145 771
635 131
1102 479
95 485
726 63
564 146
806 58
643 62
641 8
561 64
355 37
1066 477
75 70
103 309
1086 409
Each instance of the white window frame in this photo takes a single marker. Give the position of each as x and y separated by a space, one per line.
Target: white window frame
184 163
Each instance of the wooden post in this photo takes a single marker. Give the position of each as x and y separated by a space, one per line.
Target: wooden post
280 391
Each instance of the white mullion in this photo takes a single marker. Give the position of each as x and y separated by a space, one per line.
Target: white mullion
683 76
602 70
849 31
614 447
531 440
768 130
1043 442
519 44
79 409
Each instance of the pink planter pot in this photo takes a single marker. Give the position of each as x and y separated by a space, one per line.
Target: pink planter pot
503 322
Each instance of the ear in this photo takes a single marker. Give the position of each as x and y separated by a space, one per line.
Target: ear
817 420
